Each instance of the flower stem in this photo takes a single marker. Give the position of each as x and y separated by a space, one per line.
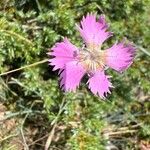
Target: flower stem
18 36
24 67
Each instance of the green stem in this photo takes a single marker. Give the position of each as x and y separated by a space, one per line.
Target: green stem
54 124
11 115
24 67
10 33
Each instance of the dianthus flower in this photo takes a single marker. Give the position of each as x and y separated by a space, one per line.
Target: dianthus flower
73 62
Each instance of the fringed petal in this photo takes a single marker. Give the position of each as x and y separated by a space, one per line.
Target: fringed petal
71 76
99 84
120 56
93 32
63 52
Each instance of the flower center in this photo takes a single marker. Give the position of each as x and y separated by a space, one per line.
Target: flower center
92 60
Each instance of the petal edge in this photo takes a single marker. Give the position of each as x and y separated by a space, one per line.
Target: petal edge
62 53
92 31
120 56
71 76
102 87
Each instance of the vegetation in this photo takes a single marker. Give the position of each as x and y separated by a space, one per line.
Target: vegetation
35 114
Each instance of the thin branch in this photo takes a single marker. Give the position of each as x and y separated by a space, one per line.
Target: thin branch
6 86
11 115
18 36
26 147
54 123
34 142
142 49
10 136
24 139
38 5
24 67
11 147
50 137
117 133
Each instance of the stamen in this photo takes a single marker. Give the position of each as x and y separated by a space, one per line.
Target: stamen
92 60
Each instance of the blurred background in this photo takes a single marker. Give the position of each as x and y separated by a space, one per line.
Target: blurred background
35 114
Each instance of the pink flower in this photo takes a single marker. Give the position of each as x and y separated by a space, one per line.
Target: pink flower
73 62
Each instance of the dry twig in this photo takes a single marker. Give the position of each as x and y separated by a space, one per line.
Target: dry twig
54 124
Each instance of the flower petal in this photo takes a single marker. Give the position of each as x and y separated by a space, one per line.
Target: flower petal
63 52
94 32
120 56
99 84
71 76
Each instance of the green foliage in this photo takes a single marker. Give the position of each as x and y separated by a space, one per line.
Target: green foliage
29 28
